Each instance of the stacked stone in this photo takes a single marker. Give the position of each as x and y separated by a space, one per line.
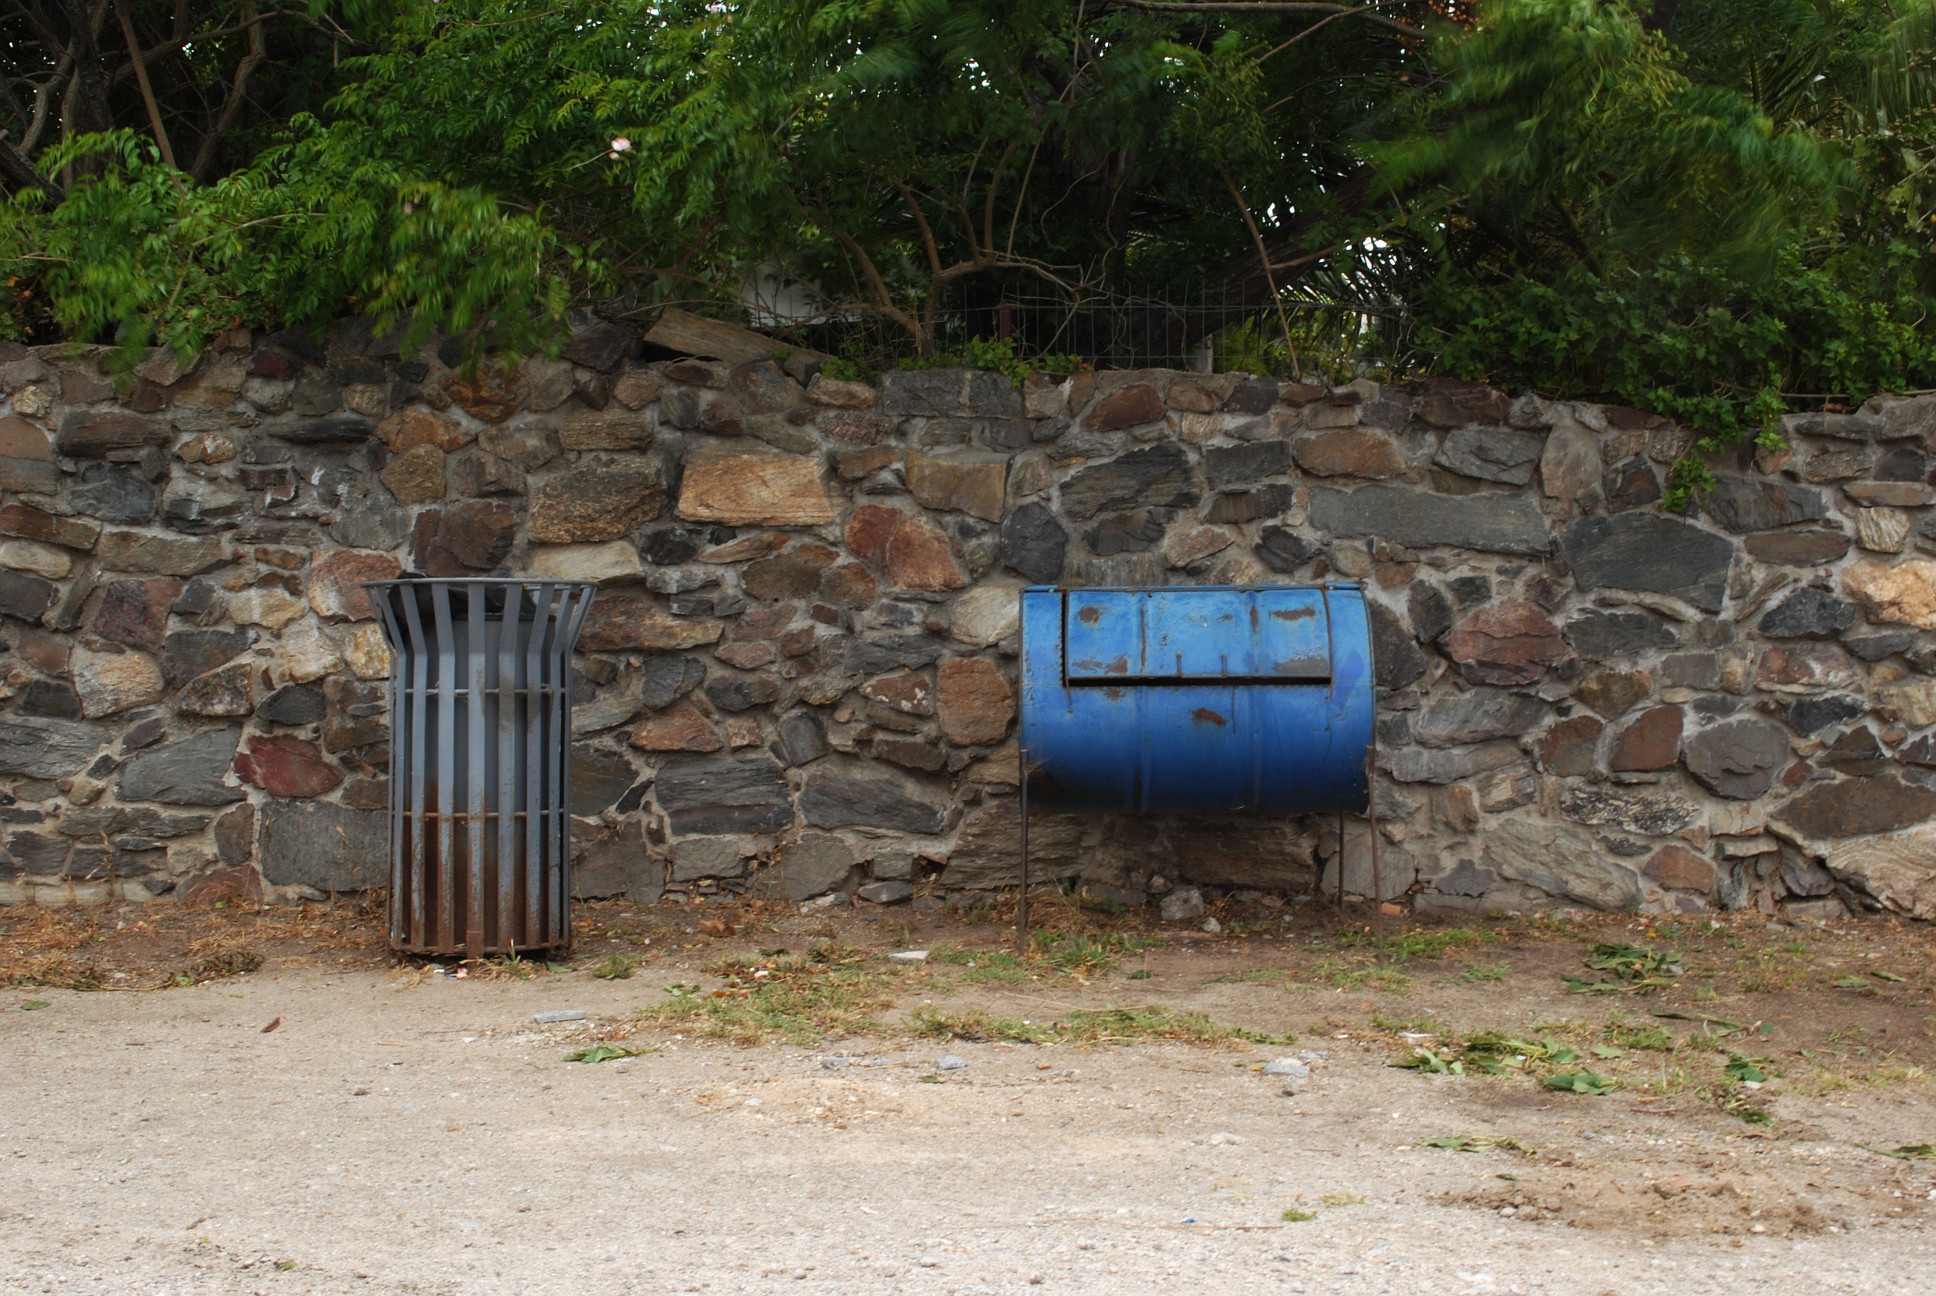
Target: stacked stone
798 676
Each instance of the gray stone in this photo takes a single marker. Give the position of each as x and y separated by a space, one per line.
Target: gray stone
335 429
1737 758
1397 658
1810 715
843 792
598 779
188 771
47 749
1653 814
885 893
694 858
1430 609
1245 465
1450 720
602 346
25 596
1875 647
1560 861
1034 543
723 794
89 434
113 493
1417 765
1158 476
941 393
737 691
612 860
50 700
1492 454
1597 632
803 738
1856 808
816 864
1417 518
1284 550
1808 613
293 704
1184 904
1743 504
375 525
324 845
876 654
1645 551
188 653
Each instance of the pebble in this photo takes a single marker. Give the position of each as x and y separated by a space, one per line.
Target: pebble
908 956
834 1062
951 1063
1286 1067
1212 925
555 1015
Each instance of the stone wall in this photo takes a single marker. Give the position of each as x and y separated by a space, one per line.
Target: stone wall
798 677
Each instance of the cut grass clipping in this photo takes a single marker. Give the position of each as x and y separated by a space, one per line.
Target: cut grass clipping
1096 1026
1635 969
799 998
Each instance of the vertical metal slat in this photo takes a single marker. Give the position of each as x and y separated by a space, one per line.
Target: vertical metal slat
477 935
446 769
505 804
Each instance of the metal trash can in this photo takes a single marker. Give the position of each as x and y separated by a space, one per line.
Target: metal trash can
480 761
1198 698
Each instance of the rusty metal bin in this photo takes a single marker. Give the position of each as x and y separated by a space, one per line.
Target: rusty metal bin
480 761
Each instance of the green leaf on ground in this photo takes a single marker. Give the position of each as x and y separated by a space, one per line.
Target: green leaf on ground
1582 1081
35 1005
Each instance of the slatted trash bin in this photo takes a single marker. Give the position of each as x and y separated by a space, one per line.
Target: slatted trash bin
480 761
1200 698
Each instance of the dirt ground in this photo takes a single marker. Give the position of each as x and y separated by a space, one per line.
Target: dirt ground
265 1101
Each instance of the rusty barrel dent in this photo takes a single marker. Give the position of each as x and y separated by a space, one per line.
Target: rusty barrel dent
1197 698
480 761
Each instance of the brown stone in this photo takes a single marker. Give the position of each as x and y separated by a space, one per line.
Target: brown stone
748 656
109 683
1348 452
753 487
1680 869
972 483
1446 403
908 691
973 701
416 476
1612 692
849 584
1192 397
90 434
135 612
597 430
855 427
868 530
1857 808
636 388
618 623
1508 642
598 500
20 439
221 886
791 575
840 395
405 430
679 728
1892 494
131 551
336 580
470 537
1126 407
491 395
1186 549
32 524
757 545
1798 548
1904 592
918 557
1651 742
225 691
287 766
1567 748
852 465
1806 668
1826 466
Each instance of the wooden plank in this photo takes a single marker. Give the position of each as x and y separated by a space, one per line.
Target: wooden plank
696 335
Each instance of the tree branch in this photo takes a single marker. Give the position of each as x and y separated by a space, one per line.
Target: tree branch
238 91
883 302
147 90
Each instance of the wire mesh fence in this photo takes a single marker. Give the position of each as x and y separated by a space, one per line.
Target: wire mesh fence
1201 326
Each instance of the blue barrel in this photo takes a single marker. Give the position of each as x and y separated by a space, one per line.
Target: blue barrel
1197 698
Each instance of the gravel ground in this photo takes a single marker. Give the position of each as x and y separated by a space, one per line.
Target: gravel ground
399 1133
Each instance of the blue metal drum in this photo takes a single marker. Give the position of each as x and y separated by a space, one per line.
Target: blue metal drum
1197 698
